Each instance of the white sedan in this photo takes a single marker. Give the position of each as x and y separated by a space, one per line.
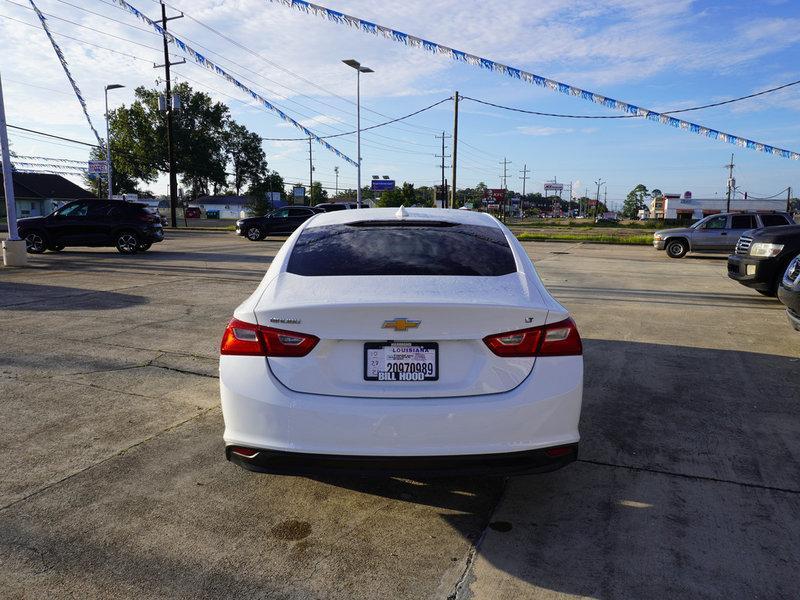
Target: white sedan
401 341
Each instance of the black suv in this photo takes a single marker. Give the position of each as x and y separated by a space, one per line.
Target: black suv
332 206
130 227
762 256
281 222
789 292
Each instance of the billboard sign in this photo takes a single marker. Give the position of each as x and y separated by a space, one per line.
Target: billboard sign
553 187
498 195
298 191
97 166
383 185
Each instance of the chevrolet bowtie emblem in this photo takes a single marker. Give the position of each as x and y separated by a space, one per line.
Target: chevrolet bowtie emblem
401 324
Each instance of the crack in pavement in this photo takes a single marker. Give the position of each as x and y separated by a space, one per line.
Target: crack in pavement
458 588
153 436
689 476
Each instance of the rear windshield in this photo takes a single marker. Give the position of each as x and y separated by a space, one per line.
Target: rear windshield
401 248
774 220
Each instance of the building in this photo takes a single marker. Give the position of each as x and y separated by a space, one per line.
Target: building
222 207
686 208
41 193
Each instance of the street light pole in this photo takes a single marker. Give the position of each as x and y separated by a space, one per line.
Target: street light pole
359 70
113 86
336 171
599 182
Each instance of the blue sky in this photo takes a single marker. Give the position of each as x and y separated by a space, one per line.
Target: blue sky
660 55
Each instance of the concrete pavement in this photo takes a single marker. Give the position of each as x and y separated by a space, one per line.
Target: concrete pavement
115 484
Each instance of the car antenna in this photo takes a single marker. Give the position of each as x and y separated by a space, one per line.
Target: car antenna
401 213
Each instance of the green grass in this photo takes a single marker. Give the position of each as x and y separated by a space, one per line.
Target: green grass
635 240
589 224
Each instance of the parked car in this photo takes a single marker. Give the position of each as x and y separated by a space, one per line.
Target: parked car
762 257
331 206
401 341
715 233
279 222
129 226
192 212
789 292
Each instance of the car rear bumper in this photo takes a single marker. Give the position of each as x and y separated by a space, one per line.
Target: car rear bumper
541 413
508 463
755 273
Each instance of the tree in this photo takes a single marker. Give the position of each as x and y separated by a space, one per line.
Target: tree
245 153
391 198
205 138
635 201
261 192
405 196
318 194
121 181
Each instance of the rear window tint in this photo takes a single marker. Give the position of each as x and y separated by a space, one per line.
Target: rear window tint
774 220
401 248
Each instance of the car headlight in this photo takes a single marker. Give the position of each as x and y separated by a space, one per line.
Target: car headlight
764 249
658 237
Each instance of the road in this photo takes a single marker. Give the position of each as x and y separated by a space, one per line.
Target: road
115 484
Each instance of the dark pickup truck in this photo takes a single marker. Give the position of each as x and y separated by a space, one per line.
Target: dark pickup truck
762 256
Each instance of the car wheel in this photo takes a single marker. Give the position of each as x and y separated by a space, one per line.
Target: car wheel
127 242
254 233
677 248
34 242
144 247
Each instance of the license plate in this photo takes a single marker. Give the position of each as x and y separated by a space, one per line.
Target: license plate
401 361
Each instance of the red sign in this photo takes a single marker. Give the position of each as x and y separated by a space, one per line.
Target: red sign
498 195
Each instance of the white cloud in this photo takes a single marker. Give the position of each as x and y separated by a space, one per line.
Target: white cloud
546 131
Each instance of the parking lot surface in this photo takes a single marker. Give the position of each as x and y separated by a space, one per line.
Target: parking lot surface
115 485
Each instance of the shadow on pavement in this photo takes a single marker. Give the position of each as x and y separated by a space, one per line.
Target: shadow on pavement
27 296
687 485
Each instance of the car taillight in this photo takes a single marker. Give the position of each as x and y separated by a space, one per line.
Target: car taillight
557 339
247 339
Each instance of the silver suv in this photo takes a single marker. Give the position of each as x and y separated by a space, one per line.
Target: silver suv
715 233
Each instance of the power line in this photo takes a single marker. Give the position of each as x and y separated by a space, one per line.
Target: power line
395 140
408 116
58 137
285 70
546 114
665 112
732 100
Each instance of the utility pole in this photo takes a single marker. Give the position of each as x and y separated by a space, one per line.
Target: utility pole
14 251
789 200
173 182
310 175
731 184
443 156
455 149
505 164
524 178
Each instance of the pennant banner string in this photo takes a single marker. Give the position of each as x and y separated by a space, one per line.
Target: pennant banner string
63 60
215 68
514 73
